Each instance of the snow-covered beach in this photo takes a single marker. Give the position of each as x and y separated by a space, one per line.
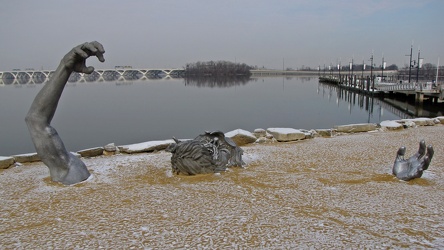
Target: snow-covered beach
323 192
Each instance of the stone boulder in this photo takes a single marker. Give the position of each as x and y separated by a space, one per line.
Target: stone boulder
6 162
149 146
391 125
241 137
407 123
91 152
421 121
22 158
356 128
110 149
286 134
324 132
309 134
260 132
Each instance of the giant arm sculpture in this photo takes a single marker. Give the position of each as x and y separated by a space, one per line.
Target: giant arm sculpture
414 166
63 166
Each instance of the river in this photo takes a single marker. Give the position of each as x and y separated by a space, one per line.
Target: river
92 114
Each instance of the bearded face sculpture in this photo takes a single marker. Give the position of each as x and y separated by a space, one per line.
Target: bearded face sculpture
210 152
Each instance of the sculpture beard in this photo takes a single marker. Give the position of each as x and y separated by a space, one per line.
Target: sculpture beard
211 152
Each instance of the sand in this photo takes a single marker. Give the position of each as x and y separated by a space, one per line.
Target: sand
324 192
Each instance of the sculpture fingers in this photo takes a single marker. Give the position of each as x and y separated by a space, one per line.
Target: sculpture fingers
430 151
79 51
428 157
400 154
96 49
422 148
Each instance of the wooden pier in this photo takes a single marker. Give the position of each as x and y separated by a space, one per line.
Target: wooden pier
363 85
367 86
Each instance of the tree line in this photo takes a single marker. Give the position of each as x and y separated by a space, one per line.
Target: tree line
427 71
217 69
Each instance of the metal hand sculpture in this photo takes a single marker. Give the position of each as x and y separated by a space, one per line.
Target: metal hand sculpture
63 166
211 152
414 166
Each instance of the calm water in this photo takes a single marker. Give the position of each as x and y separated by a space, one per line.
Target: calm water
95 114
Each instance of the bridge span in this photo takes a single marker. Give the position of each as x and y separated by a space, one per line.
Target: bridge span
117 74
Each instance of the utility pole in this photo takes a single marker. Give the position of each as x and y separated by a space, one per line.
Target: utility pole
363 68
352 67
371 72
410 61
419 65
382 67
339 68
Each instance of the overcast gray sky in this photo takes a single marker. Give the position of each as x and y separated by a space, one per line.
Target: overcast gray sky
167 33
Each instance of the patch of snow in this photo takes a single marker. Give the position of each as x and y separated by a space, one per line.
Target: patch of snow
238 131
144 145
392 124
284 130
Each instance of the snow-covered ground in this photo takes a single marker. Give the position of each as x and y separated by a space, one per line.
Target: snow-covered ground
324 192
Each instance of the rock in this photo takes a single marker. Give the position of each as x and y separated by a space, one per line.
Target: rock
421 121
32 157
391 125
261 140
324 132
286 134
408 123
241 137
110 147
149 146
91 152
6 162
260 132
355 128
309 134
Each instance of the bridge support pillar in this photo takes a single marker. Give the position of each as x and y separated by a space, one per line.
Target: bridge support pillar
419 97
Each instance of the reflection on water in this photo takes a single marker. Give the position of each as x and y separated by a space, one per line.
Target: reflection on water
402 106
217 82
92 114
316 194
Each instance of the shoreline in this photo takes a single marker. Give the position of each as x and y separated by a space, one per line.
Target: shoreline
241 137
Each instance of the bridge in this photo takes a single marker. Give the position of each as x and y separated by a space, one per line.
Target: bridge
117 74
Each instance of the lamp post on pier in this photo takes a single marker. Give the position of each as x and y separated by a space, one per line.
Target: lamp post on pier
419 65
371 72
382 68
339 69
351 66
410 61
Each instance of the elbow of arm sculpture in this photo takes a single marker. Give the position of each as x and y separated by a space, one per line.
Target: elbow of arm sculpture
63 166
414 166
211 152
